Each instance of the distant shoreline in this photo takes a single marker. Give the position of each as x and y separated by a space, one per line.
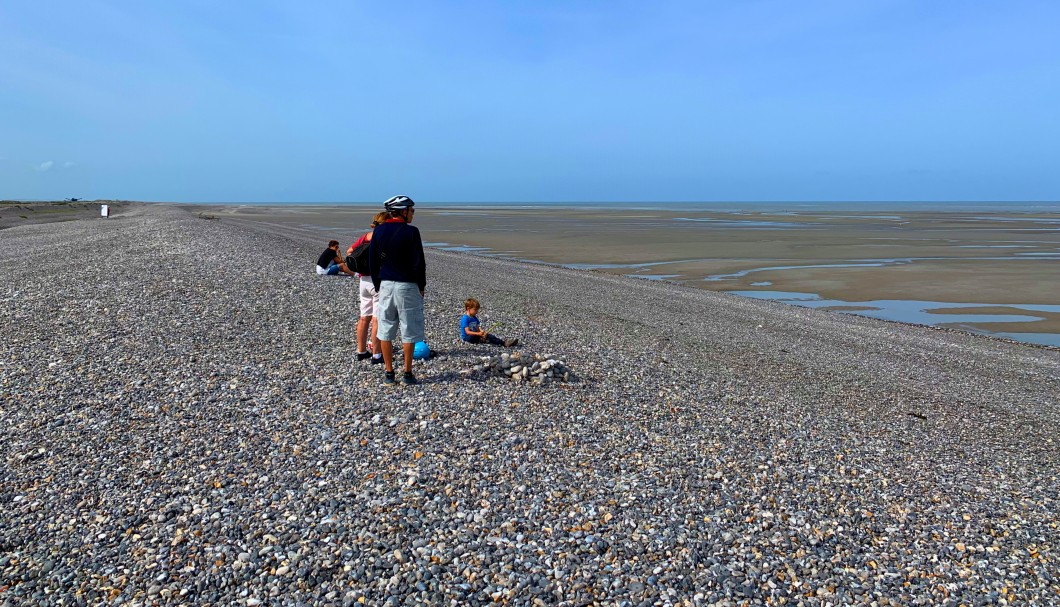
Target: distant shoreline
874 206
863 206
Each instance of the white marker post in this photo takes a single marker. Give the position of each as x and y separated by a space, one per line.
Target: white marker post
104 211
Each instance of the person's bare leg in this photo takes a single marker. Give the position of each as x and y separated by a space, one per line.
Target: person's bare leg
346 271
388 355
406 349
376 348
362 333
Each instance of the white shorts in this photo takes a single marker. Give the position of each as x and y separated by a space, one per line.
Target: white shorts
400 304
369 298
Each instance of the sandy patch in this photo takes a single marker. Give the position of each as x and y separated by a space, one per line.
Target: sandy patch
15 213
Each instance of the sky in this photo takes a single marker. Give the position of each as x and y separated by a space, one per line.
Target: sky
452 101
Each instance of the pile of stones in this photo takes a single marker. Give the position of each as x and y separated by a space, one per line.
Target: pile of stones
537 369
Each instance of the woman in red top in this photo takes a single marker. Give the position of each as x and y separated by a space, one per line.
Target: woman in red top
369 299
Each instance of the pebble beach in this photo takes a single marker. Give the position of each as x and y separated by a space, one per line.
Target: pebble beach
183 421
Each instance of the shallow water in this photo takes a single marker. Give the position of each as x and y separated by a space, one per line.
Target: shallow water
919 312
879 263
1045 339
750 223
654 276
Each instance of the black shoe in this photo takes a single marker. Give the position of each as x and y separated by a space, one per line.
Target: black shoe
408 379
388 378
364 355
377 360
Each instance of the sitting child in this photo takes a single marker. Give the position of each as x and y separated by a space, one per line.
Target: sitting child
469 329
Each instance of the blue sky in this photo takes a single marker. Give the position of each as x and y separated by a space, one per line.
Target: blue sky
530 101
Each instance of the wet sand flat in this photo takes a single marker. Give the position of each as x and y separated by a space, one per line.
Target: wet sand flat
984 258
990 258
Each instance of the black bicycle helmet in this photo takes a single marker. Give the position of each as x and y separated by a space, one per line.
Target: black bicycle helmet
398 203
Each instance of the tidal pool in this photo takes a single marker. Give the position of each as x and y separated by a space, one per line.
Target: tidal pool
920 312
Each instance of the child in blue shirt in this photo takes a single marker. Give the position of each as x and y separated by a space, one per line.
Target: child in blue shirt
469 327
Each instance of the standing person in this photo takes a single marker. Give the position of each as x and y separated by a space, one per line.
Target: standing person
369 302
330 263
399 274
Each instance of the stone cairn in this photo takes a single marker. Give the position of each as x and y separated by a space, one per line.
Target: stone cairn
536 369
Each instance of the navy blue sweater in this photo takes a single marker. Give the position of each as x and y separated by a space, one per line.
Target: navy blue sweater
396 253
